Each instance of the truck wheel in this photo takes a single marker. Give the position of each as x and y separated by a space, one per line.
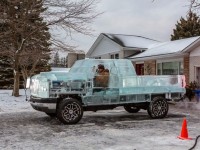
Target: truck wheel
70 111
158 108
131 109
51 114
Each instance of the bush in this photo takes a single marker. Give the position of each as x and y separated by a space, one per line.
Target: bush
190 90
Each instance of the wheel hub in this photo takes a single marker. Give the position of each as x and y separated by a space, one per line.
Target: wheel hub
71 111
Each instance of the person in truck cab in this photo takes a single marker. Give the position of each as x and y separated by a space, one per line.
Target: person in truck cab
102 76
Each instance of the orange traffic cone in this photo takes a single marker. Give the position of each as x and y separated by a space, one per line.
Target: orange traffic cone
184 131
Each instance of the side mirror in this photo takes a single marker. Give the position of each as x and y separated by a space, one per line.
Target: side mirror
28 81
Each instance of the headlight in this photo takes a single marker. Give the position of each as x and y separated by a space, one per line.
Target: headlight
43 89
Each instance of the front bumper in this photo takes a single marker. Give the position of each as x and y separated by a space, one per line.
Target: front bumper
47 105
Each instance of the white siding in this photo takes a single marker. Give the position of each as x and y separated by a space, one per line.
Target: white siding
171 59
105 56
106 46
121 54
195 52
194 62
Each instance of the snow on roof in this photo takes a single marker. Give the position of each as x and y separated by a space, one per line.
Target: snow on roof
131 40
169 47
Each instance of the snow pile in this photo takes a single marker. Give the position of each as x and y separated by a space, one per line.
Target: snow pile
9 103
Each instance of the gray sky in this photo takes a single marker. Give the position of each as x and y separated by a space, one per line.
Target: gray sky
154 20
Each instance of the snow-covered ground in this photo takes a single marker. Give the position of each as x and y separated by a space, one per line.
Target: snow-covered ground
23 128
9 103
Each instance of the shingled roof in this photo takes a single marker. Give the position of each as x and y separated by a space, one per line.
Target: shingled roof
170 47
131 41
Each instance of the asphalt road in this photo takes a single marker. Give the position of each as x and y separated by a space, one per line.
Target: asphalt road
103 130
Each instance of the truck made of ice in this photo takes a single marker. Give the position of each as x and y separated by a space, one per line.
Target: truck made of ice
100 84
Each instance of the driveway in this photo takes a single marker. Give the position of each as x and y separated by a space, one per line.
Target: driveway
103 130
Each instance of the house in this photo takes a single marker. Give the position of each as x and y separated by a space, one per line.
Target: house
151 57
74 56
119 46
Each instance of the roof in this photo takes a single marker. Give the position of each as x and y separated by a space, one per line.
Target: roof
170 47
125 41
131 41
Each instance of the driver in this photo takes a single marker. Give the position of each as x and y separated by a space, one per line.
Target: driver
102 76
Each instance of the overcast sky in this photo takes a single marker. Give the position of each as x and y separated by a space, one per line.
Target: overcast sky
154 20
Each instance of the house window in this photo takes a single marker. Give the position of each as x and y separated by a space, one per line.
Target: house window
97 57
170 68
181 68
114 56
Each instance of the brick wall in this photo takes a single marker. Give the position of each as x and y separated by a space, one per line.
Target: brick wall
150 67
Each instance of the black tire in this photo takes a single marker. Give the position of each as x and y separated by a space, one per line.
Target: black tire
158 108
70 111
148 111
131 109
51 114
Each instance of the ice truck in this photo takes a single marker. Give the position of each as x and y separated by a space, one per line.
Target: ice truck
66 95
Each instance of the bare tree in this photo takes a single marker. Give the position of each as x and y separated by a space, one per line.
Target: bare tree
194 4
29 62
71 15
18 42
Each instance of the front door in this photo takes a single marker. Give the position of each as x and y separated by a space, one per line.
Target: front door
140 69
198 75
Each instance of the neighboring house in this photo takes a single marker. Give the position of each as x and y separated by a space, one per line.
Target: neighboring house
59 69
151 57
72 57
